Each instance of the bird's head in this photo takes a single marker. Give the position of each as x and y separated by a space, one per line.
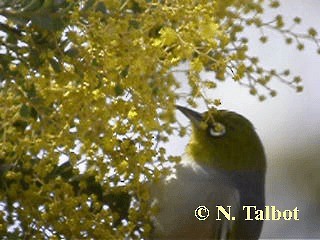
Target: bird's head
224 140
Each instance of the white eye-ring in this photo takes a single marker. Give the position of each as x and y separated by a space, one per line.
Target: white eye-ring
217 130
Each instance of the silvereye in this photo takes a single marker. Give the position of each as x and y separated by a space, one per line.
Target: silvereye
224 165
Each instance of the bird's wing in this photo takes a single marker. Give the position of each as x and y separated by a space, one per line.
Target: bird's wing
192 187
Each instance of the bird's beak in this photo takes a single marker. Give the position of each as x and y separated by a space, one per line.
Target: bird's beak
195 117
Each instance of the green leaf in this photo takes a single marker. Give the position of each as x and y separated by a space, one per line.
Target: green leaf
20 125
136 7
88 5
25 111
101 7
47 22
124 72
72 52
135 24
33 113
31 92
55 65
118 90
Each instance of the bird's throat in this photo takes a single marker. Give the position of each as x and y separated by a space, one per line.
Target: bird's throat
226 156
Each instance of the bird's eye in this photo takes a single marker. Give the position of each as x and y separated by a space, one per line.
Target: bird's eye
217 130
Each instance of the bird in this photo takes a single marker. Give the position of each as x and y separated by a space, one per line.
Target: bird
224 165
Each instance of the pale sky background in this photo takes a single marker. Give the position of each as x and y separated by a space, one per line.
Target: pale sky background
289 124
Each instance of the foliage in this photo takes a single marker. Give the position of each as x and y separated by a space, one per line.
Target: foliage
87 94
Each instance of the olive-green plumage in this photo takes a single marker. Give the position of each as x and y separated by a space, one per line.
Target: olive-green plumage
224 165
239 148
